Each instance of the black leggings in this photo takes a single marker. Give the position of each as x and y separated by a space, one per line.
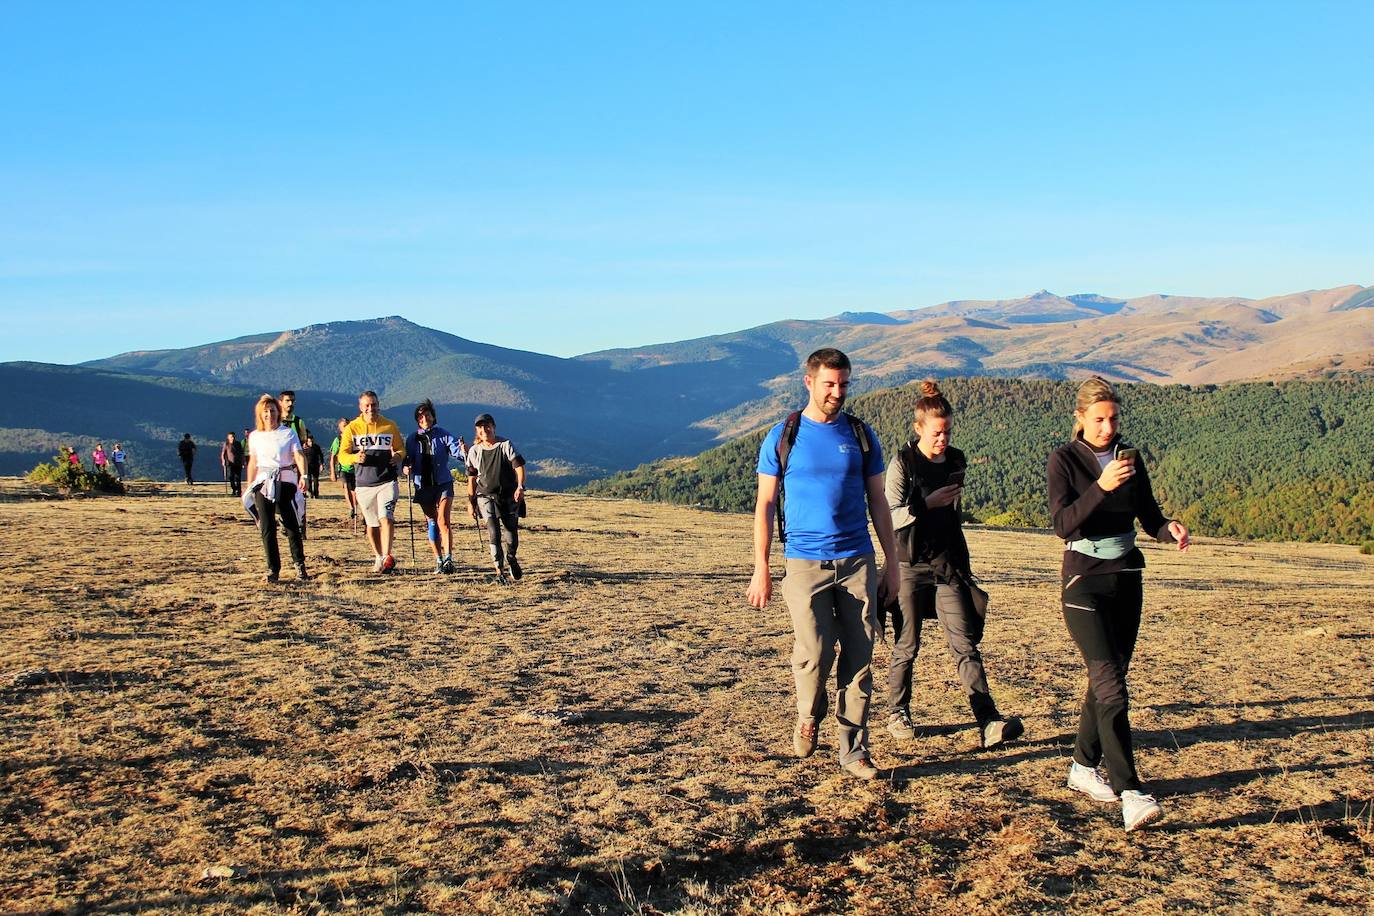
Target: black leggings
285 506
1103 616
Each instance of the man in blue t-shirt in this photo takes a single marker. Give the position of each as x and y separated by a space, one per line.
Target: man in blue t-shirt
832 583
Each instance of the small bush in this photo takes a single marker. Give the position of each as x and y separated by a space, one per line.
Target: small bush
72 475
1367 548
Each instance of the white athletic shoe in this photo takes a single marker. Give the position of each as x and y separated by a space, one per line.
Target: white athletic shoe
1139 809
1090 782
377 564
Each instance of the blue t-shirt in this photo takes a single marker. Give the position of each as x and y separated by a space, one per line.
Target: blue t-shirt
826 509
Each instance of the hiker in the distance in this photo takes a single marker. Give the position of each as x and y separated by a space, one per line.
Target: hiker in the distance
826 467
231 462
118 457
496 493
276 466
186 451
99 459
288 414
341 468
314 462
428 452
1098 488
376 448
924 483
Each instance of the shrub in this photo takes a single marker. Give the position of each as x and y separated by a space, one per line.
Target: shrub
1367 548
72 475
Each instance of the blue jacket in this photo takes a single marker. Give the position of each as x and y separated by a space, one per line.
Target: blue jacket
445 448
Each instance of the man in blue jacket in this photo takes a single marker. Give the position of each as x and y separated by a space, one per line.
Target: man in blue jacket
831 467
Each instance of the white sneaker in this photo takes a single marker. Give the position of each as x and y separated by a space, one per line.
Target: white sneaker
377 563
1090 782
1139 809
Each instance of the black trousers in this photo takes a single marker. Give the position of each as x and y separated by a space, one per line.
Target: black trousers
312 483
231 473
1103 616
186 464
953 607
502 517
268 512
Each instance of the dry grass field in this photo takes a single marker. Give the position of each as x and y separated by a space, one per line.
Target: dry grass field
613 733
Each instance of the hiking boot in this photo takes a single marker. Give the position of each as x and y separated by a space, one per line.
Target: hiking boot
515 571
1090 782
862 768
899 726
301 574
804 738
996 732
388 564
269 577
1139 809
447 563
500 572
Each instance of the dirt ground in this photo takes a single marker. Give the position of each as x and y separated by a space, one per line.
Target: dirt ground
613 733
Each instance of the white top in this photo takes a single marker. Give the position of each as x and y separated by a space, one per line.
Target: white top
273 450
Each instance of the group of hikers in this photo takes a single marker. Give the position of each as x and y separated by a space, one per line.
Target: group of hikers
101 460
821 475
370 456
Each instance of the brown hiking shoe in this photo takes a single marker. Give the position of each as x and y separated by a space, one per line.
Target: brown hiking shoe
804 738
862 768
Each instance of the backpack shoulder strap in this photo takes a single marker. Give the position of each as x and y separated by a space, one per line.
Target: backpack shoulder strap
861 436
785 443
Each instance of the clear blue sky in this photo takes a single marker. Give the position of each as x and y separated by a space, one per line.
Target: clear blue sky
566 177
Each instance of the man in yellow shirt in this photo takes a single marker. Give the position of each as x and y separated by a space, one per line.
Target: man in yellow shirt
376 449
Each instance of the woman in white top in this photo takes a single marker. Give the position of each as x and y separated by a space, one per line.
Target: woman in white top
276 466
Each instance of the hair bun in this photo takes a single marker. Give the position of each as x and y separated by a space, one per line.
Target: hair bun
929 389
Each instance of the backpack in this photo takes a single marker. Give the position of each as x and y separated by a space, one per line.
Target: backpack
789 438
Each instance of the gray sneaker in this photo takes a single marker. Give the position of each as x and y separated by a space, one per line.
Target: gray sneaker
439 566
899 726
997 732
1139 809
862 768
1090 782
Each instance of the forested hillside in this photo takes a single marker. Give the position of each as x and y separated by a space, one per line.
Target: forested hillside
1278 461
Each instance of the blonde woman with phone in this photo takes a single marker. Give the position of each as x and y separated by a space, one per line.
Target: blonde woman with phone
1098 489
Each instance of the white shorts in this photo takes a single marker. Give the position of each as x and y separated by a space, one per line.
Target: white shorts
377 502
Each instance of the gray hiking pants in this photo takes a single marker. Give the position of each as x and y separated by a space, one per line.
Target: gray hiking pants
834 601
502 518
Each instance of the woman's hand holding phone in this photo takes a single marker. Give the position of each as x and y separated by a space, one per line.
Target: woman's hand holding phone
1117 472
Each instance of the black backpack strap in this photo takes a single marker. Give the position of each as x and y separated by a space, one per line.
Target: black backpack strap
861 436
785 443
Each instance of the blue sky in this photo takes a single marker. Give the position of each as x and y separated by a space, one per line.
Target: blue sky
568 177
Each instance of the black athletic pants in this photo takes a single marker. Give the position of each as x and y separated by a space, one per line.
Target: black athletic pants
502 517
953 607
1103 616
312 483
186 464
231 473
268 511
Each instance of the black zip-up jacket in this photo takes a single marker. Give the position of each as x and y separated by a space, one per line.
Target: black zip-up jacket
1080 508
931 541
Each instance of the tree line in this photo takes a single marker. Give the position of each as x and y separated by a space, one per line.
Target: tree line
1267 460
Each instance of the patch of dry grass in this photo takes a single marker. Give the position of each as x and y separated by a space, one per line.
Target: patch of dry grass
613 734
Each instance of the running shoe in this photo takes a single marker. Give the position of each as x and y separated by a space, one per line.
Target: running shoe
1090 782
438 566
515 571
899 726
448 563
376 564
1139 809
997 732
301 574
388 564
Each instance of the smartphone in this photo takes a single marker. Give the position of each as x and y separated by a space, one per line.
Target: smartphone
956 479
1128 454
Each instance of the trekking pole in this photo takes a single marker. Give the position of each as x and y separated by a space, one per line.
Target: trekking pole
410 510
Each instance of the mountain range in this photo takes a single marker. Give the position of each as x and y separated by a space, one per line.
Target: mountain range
584 417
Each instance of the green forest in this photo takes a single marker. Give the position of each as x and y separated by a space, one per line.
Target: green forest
1267 460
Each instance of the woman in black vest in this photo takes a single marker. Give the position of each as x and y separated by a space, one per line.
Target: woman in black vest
924 483
1098 488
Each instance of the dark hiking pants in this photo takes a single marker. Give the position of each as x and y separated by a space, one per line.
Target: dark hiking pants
502 518
963 628
268 513
1103 616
